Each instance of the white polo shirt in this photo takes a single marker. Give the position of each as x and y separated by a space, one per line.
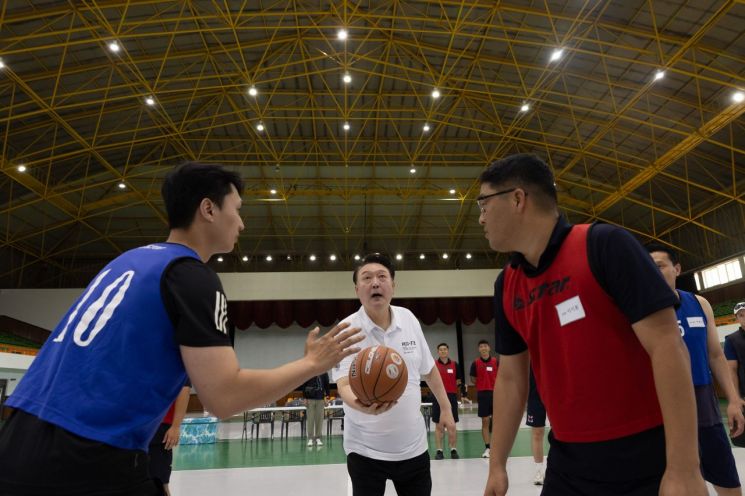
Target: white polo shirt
398 434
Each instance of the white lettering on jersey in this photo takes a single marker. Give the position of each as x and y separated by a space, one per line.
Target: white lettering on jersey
221 312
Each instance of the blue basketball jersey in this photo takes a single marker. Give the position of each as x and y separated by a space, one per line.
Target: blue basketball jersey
692 322
111 368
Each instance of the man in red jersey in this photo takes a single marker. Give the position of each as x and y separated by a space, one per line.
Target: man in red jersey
451 380
587 308
483 374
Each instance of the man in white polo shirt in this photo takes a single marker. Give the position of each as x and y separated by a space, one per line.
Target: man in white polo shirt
389 440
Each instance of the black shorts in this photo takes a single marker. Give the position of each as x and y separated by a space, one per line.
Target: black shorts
629 466
410 477
161 459
717 462
485 400
453 408
536 413
39 458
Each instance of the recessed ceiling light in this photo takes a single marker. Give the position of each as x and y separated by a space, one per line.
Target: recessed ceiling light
347 78
332 258
556 55
21 168
346 126
122 185
399 256
422 257
412 171
659 75
245 258
425 128
356 257
738 96
114 46
452 191
150 101
445 256
468 256
268 258
273 191
260 127
435 93
342 34
525 107
219 259
312 258
289 257
2 64
253 91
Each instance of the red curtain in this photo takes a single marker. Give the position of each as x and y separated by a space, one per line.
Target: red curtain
283 313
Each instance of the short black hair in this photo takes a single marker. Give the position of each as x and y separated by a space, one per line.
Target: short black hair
671 253
484 341
525 171
377 258
187 185
443 344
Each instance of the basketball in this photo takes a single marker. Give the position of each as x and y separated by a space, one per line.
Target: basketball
378 374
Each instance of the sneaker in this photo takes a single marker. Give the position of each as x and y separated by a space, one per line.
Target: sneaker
538 479
454 454
486 453
310 443
319 442
439 455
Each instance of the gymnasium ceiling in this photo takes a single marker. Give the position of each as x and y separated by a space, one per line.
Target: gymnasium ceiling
661 157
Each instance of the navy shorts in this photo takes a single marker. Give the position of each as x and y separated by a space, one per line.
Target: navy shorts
485 399
453 407
536 414
161 459
717 461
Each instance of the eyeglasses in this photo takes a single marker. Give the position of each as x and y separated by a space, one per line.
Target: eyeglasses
481 200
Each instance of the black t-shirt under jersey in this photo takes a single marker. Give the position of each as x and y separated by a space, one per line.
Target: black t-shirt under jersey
195 302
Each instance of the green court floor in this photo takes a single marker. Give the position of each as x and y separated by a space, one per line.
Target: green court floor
265 452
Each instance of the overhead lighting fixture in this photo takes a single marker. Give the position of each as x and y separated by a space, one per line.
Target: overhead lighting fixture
219 259
556 55
260 126
468 256
347 78
435 93
412 171
342 34
738 96
150 101
268 258
421 256
357 257
312 258
122 185
332 258
272 191
346 126
425 128
114 46
21 168
245 258
452 191
253 91
445 256
399 256
2 64
525 107
289 258
659 75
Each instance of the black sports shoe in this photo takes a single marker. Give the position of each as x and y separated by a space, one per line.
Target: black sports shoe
439 455
454 454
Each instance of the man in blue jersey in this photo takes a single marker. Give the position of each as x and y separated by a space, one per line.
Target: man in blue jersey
696 322
95 395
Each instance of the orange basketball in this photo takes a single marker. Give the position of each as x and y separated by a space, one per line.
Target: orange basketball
378 374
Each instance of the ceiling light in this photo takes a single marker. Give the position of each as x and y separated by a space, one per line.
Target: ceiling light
346 126
556 55
412 171
289 258
260 127
268 258
347 78
399 256
468 256
342 34
253 91
2 64
426 127
435 93
21 168
332 258
452 191
356 257
738 97
273 191
114 46
421 256
312 258
659 75
219 259
245 258
122 185
150 101
445 256
525 107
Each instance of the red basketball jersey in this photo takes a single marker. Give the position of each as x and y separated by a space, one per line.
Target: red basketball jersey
449 373
486 373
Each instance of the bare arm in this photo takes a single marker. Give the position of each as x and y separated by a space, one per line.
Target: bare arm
434 381
173 433
732 364
350 399
660 337
225 389
510 396
719 369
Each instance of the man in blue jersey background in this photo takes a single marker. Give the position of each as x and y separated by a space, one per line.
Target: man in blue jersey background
696 322
95 395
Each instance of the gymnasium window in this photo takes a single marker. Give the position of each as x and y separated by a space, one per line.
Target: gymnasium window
719 274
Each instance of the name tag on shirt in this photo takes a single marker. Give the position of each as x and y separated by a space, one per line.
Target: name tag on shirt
450 371
570 311
696 322
489 369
